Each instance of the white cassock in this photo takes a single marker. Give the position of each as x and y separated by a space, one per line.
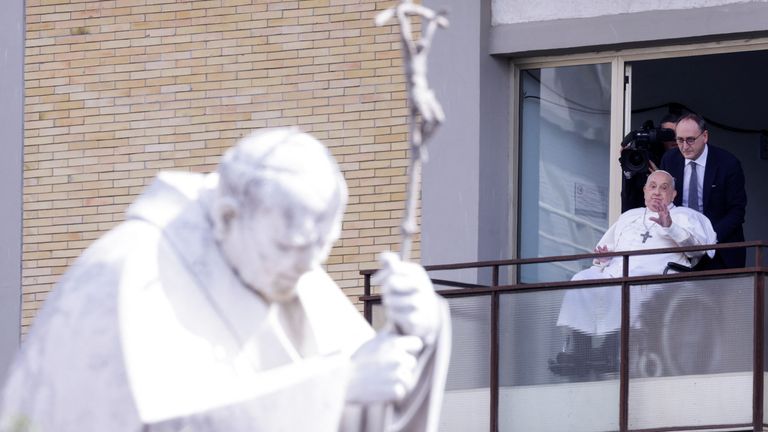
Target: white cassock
150 330
598 310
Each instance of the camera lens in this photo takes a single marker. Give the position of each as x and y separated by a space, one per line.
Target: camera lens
636 159
633 161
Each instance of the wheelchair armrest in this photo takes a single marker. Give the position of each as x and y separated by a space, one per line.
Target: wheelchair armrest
677 267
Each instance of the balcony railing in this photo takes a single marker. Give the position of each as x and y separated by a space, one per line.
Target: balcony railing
688 352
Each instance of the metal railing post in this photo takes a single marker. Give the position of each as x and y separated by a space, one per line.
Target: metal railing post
624 352
367 304
494 423
759 340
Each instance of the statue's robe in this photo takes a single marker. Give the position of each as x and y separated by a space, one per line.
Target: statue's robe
151 330
598 310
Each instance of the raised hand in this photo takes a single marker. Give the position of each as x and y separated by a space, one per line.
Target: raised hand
664 218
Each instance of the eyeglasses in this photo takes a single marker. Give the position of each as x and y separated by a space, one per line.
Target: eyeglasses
689 140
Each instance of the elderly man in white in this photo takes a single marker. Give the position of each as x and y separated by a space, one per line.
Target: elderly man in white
208 310
660 224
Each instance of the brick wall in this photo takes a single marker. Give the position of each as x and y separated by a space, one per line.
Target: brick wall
117 90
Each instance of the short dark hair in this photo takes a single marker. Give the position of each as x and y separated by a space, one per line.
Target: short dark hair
669 118
696 118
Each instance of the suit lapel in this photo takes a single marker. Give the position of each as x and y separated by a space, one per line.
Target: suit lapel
709 177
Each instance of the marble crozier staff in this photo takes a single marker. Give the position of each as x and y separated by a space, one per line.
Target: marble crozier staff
208 309
660 224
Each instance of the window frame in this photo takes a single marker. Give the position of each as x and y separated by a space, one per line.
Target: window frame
619 120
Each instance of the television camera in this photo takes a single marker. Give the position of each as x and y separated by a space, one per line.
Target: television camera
638 145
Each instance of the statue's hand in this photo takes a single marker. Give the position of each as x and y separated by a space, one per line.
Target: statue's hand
384 369
410 302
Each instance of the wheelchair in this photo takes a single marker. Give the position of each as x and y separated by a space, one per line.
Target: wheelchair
678 331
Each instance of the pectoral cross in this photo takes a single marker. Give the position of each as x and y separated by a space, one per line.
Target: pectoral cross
646 235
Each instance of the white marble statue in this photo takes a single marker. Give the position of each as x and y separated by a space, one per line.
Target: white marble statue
208 310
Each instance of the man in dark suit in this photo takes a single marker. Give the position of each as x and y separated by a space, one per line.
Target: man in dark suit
710 180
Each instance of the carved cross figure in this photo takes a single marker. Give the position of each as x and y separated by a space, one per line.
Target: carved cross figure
425 113
422 99
646 235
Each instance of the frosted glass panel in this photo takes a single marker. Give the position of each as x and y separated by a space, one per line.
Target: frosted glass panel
466 405
467 399
551 378
765 352
378 317
564 165
691 353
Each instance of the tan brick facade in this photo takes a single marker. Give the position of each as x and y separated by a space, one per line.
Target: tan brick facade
119 89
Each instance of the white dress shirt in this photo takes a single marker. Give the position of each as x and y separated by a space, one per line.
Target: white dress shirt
701 161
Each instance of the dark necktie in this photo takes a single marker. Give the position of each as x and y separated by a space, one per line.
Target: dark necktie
693 189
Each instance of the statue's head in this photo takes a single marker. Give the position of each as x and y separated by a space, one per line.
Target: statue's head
278 209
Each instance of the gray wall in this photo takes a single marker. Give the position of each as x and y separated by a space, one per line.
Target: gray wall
11 139
523 11
630 29
465 199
